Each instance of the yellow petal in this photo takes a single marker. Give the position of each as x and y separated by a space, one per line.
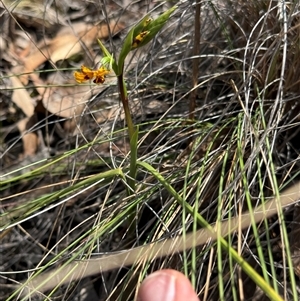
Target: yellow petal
87 72
103 71
80 77
100 75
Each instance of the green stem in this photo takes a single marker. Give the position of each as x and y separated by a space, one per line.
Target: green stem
125 102
133 138
131 132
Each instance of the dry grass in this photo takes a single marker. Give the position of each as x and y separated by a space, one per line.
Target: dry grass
241 149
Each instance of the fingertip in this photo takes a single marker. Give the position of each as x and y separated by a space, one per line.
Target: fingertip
166 285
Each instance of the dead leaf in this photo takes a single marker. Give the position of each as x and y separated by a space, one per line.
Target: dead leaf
30 140
69 101
21 97
30 144
67 43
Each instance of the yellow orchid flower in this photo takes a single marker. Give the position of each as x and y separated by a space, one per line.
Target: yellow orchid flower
88 74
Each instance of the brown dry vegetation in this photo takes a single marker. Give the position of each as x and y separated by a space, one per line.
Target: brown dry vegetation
56 136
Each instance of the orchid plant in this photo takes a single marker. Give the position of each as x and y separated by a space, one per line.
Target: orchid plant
139 35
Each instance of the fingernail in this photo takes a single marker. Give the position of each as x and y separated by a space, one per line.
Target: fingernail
159 286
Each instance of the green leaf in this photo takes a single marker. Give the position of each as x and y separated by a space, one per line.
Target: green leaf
108 58
124 51
106 61
104 49
161 20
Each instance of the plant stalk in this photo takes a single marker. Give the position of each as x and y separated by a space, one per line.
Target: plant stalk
125 103
131 132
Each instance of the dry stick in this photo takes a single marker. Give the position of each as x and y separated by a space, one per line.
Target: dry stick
196 51
77 270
